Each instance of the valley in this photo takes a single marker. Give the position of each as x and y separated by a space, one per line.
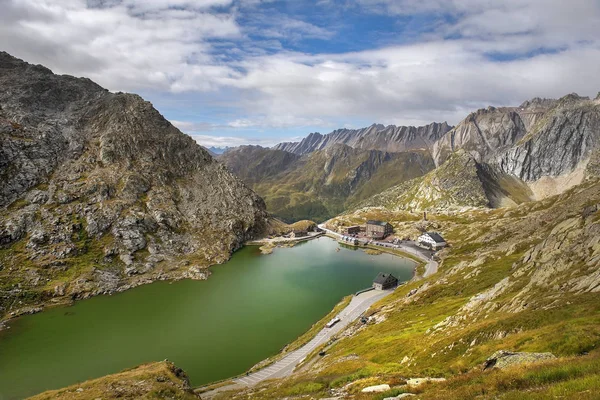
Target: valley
322 184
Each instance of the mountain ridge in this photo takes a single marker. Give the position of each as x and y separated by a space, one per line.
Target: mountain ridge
389 138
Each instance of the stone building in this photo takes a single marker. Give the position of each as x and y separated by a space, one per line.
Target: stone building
352 230
379 229
385 281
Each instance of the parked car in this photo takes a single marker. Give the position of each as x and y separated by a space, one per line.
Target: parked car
333 322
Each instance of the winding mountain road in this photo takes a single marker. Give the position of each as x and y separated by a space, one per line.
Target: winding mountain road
284 367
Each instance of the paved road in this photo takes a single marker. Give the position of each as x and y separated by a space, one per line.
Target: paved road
284 367
431 266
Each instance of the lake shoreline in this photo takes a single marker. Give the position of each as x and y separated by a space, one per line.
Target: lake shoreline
206 272
283 240
256 293
394 252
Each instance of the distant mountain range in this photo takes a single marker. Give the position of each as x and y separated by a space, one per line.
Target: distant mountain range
389 138
217 150
500 156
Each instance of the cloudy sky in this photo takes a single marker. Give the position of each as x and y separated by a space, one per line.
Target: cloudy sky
231 72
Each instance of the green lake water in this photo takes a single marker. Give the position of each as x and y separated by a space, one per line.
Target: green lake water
246 311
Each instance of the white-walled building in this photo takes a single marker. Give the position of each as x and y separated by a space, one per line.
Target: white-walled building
432 240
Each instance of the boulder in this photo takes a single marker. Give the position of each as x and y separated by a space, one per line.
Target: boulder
503 359
59 290
376 389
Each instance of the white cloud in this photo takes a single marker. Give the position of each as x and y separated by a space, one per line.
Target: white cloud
200 46
189 126
500 53
233 141
277 121
123 46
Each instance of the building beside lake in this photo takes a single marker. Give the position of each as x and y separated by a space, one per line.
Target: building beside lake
379 229
432 240
385 281
352 230
350 240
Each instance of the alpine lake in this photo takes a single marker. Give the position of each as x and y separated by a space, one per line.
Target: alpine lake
248 310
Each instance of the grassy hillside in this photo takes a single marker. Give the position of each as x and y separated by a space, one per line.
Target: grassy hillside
523 279
322 184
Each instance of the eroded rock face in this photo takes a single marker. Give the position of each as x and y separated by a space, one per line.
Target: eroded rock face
90 178
564 139
481 134
540 138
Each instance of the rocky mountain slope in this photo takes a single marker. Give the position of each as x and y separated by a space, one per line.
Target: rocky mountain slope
324 183
506 156
98 192
460 182
389 138
255 164
540 139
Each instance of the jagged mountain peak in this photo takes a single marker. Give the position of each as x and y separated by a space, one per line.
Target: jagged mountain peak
537 102
572 98
375 137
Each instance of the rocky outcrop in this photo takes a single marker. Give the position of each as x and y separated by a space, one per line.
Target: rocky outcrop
558 144
154 380
389 138
481 134
98 191
459 183
376 389
505 359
